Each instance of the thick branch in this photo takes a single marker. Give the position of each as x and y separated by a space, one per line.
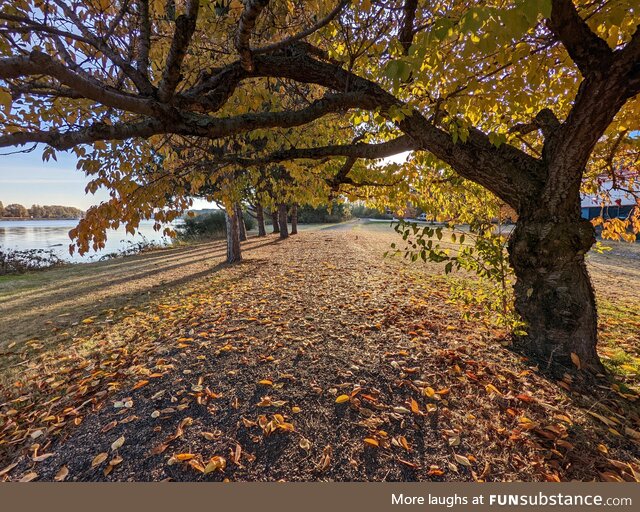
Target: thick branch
185 27
305 33
586 49
95 132
38 63
252 9
140 81
405 35
144 44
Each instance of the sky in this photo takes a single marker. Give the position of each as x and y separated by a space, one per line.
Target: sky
25 179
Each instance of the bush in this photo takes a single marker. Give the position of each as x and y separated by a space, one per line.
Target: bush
336 212
364 212
18 262
209 225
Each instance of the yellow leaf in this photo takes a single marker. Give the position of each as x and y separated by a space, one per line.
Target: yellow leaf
265 382
415 408
371 442
428 391
87 321
184 456
342 399
492 389
216 463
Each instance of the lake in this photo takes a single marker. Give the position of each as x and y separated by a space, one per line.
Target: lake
54 235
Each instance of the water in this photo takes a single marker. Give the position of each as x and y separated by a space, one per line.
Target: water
54 235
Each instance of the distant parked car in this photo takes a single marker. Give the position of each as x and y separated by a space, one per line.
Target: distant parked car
422 217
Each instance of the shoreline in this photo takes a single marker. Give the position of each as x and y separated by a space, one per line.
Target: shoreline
39 218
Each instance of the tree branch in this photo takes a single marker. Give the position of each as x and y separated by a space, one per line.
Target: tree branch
185 27
305 33
144 44
405 34
586 49
252 9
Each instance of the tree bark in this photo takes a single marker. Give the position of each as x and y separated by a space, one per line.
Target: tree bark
553 292
282 220
260 220
274 221
234 254
294 219
242 230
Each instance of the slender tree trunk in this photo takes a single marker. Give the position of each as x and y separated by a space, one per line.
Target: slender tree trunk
233 236
282 220
260 220
274 221
242 230
294 219
553 291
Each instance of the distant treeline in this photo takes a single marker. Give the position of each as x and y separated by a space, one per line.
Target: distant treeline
17 211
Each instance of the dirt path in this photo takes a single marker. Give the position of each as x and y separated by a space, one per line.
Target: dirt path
314 359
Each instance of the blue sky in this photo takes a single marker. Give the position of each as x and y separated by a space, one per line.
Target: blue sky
27 180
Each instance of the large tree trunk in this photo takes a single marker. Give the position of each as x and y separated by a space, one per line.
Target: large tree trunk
260 220
553 291
233 236
242 229
294 219
282 220
274 221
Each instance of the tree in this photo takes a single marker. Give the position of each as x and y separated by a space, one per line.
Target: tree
460 83
16 211
260 220
294 219
1 209
282 221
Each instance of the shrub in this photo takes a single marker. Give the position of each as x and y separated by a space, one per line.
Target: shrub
20 261
335 212
209 225
364 212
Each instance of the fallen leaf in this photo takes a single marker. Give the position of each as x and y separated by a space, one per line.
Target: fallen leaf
216 463
117 443
305 444
342 399
109 426
99 459
371 442
8 468
62 473
576 360
461 459
42 457
28 477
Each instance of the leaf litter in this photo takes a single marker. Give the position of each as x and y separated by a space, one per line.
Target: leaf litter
271 370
